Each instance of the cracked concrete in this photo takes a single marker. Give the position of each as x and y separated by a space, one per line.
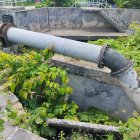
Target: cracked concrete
94 87
13 132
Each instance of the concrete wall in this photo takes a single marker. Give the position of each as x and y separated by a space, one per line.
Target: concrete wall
94 87
44 19
92 19
129 15
9 10
51 18
60 18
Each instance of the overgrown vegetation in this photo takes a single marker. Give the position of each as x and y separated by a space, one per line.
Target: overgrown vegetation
131 129
55 3
25 3
133 4
126 3
68 3
1 125
43 90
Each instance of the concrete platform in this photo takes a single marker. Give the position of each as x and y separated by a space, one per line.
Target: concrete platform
84 34
94 87
16 8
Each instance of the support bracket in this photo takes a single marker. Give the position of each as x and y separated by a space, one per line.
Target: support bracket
5 43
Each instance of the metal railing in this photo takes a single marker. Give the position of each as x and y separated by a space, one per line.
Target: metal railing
88 3
112 15
107 11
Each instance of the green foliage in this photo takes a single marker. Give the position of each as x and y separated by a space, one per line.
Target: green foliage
110 137
133 4
26 3
63 3
61 136
131 129
40 4
1 125
81 136
121 3
41 88
98 117
128 4
55 3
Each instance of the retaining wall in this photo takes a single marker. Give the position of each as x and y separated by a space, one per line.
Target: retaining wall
94 87
129 15
67 18
44 19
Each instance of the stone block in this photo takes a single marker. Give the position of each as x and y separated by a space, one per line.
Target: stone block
94 87
22 134
8 130
5 98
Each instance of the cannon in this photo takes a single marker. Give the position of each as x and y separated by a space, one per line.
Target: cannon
121 68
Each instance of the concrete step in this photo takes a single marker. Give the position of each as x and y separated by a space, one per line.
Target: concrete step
85 34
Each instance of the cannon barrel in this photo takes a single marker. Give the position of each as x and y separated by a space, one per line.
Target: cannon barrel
120 67
102 55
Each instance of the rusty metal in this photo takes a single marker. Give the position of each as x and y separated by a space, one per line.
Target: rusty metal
4 41
3 34
6 27
113 74
2 26
101 56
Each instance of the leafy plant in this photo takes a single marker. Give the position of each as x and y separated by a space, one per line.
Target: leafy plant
40 87
98 117
61 136
131 129
133 4
110 137
1 125
40 4
81 136
121 3
54 3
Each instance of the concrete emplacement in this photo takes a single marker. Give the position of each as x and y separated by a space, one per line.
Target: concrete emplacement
120 67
